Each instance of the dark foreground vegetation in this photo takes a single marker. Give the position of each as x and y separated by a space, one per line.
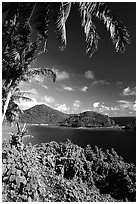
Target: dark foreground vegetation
64 172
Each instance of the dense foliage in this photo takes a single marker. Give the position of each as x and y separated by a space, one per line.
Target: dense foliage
64 172
41 114
87 119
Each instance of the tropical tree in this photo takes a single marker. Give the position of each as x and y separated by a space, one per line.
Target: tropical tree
17 56
20 48
13 109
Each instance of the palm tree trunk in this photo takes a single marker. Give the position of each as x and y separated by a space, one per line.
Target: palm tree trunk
6 104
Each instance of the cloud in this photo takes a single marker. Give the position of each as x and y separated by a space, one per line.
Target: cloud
101 107
33 91
101 82
27 104
115 108
89 74
62 108
123 108
76 104
123 101
96 104
129 92
127 105
68 88
61 75
49 99
84 88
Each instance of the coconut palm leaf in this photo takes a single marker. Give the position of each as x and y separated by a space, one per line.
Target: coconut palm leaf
32 51
19 95
118 32
9 22
18 13
26 12
41 71
12 112
92 37
13 108
42 21
60 17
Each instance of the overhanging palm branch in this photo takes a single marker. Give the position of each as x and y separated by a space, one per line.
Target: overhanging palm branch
41 71
13 109
61 14
18 56
19 95
24 12
42 21
118 32
18 13
92 37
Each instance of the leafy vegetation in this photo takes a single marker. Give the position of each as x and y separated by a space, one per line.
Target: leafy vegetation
19 51
41 114
64 172
87 119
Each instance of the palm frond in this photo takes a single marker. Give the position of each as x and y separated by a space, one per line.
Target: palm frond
92 37
9 23
42 21
61 15
32 49
41 71
18 13
21 97
12 112
26 11
118 32
18 95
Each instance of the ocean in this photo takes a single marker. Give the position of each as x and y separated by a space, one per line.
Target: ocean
123 142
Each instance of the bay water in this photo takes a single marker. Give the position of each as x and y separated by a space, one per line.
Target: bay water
123 142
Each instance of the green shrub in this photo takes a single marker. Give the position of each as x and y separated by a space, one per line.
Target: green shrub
65 172
111 174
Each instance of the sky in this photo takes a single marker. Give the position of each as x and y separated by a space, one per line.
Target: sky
104 83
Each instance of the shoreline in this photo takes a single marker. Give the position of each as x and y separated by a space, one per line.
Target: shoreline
58 126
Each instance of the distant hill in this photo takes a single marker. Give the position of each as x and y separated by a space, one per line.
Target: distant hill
88 119
42 114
